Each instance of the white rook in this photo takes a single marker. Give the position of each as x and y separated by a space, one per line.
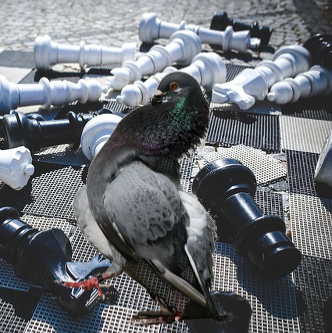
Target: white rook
323 170
96 132
316 81
253 84
16 167
151 28
48 53
207 68
183 46
46 93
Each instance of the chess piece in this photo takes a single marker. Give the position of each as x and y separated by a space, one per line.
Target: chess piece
226 188
48 53
44 258
320 47
207 68
316 81
183 46
323 170
96 132
35 133
46 93
151 28
220 21
253 84
16 167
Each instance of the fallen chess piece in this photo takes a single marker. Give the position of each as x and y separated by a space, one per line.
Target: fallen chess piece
48 53
253 84
151 28
220 21
207 68
34 132
323 170
16 167
320 47
47 93
183 46
226 187
96 132
316 81
44 258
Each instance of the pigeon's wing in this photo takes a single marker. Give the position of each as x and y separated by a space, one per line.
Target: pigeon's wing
147 210
91 229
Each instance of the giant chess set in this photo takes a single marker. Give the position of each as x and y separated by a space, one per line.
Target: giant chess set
271 122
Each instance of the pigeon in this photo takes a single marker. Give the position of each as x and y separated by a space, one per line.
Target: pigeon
133 207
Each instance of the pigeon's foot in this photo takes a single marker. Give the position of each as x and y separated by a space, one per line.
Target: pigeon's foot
94 282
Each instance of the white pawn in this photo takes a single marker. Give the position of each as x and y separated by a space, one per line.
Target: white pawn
16 167
316 81
253 84
48 53
46 93
151 28
183 46
207 68
96 132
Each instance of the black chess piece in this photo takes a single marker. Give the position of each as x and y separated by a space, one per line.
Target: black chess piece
44 259
226 188
220 21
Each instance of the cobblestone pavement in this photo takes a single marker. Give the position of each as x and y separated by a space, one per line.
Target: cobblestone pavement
112 23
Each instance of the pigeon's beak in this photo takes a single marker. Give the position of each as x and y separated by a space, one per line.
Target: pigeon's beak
157 96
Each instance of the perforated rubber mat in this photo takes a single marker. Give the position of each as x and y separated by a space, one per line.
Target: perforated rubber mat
280 144
228 128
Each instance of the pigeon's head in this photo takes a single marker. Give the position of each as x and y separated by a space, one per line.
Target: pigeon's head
183 111
175 85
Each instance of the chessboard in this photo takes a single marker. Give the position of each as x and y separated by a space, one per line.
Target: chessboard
280 144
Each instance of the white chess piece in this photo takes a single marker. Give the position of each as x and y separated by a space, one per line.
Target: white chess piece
151 28
183 46
207 68
16 167
323 170
316 81
253 84
46 93
96 132
48 53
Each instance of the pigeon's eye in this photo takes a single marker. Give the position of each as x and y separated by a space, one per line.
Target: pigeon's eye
173 86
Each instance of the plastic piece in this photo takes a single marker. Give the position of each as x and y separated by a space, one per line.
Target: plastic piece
239 311
48 53
316 81
253 84
320 48
96 132
207 68
16 167
323 170
226 188
43 257
220 21
46 93
22 130
183 46
151 28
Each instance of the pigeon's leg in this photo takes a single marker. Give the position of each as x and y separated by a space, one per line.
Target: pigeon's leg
94 282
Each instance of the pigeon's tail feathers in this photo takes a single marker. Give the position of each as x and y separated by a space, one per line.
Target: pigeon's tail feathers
179 283
205 283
